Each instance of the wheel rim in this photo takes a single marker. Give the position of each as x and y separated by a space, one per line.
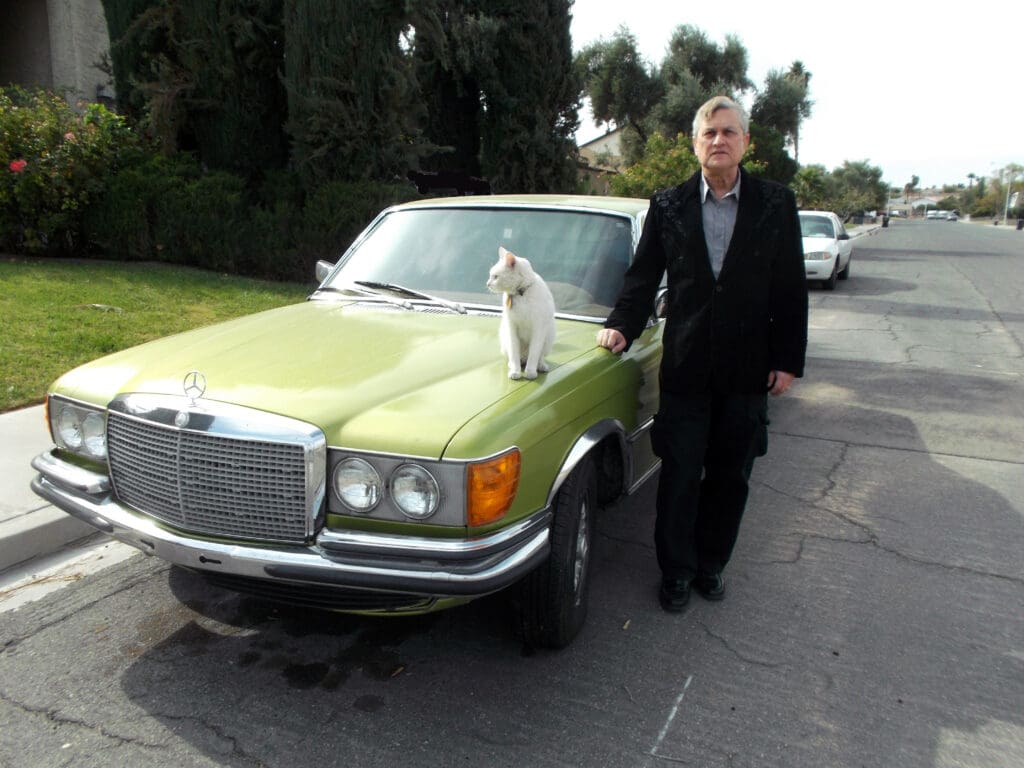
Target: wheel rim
582 550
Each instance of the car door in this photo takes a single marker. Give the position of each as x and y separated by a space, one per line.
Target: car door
645 353
844 242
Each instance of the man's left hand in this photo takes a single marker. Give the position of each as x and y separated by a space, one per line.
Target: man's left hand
779 382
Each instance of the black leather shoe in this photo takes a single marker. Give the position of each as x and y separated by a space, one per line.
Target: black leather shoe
674 594
710 586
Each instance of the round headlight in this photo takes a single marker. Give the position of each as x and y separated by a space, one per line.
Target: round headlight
69 427
357 484
94 433
415 491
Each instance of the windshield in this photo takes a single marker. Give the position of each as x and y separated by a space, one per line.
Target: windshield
448 252
816 226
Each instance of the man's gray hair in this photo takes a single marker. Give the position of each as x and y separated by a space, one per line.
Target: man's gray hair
715 103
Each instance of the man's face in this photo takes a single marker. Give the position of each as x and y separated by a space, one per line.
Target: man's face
720 142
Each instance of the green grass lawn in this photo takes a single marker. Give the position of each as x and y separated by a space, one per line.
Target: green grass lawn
57 314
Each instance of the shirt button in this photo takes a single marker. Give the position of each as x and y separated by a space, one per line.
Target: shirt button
718 288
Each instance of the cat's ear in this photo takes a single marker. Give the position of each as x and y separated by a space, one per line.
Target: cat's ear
508 256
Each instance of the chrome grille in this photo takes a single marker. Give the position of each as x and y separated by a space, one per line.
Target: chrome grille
214 484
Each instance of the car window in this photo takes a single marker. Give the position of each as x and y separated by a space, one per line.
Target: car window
816 226
448 252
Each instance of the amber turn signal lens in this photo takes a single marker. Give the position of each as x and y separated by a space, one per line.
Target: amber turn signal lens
491 487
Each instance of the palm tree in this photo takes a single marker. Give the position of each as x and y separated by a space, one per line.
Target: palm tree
802 78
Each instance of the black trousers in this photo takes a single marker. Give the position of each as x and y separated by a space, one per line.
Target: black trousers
707 446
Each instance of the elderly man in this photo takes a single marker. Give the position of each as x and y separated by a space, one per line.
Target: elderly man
735 330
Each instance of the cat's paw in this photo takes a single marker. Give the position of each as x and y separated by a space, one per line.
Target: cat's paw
530 375
515 375
542 367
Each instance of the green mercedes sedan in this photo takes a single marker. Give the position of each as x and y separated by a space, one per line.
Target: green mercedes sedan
366 450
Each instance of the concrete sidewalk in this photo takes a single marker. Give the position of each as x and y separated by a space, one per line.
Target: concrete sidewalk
30 527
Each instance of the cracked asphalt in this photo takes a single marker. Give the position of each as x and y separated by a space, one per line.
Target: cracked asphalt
874 614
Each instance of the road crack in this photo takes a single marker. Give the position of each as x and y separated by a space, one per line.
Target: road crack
53 716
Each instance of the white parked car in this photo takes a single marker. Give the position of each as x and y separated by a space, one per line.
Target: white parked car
827 247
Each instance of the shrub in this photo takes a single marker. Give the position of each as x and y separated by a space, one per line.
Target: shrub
666 163
168 209
84 185
202 222
338 211
54 162
128 221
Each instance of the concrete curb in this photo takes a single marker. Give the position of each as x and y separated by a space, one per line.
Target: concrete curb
29 527
38 532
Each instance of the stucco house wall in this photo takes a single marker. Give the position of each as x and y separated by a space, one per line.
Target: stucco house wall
55 44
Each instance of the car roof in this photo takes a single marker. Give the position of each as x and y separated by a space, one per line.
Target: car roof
627 205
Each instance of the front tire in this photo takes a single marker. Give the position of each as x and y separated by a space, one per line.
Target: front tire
553 599
845 274
830 284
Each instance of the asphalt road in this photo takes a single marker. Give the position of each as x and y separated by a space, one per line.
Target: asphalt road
874 615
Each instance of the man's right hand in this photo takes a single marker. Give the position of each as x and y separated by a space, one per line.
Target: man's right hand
609 338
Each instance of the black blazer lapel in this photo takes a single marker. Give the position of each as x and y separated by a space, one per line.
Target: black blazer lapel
689 220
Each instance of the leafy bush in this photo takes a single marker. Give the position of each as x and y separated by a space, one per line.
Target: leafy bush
54 162
168 209
666 163
84 185
129 220
202 222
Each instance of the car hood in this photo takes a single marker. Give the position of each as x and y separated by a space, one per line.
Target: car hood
812 244
371 376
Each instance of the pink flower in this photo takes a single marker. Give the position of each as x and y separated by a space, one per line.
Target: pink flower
70 136
17 166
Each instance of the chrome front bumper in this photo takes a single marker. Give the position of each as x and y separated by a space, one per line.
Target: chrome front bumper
428 567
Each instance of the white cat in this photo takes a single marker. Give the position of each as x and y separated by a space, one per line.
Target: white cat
527 329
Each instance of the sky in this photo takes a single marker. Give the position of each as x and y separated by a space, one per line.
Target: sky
916 89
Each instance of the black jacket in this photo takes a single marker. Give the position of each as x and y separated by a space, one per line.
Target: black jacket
726 334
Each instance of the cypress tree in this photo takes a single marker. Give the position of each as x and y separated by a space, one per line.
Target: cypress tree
205 79
449 68
502 93
238 107
531 98
128 52
354 107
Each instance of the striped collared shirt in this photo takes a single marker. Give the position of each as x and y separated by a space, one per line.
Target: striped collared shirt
719 221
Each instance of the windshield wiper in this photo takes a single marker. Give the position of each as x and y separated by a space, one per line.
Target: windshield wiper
452 305
397 302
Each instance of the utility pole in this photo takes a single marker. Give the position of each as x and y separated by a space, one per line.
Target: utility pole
1006 208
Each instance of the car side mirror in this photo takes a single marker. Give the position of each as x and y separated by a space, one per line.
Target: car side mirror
844 236
323 269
